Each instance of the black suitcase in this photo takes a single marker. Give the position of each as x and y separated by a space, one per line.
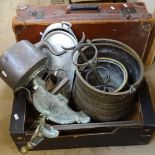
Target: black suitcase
136 129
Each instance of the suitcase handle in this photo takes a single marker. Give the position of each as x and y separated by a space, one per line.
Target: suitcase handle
78 7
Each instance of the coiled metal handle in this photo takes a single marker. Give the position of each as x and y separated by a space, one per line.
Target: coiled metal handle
87 62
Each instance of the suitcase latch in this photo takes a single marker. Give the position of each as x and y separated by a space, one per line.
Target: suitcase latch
127 11
36 14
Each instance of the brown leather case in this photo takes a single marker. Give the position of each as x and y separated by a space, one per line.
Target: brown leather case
129 23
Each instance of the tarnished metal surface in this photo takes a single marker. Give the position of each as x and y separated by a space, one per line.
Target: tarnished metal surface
43 130
104 73
20 62
113 73
108 106
60 36
55 107
90 63
87 61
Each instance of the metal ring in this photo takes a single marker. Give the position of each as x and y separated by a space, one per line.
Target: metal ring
56 69
108 76
91 61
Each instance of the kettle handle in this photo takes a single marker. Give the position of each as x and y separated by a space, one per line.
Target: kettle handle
45 44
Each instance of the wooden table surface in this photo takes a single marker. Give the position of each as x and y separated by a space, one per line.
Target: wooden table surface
7 146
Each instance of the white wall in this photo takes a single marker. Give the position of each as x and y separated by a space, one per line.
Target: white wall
150 4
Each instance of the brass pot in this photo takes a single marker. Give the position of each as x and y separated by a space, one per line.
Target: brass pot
20 63
108 106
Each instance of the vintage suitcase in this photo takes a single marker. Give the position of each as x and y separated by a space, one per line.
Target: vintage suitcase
136 129
129 23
